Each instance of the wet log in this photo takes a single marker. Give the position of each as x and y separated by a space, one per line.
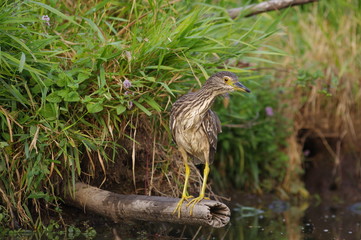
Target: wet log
266 6
147 208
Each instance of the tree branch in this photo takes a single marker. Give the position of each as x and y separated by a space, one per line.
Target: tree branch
267 6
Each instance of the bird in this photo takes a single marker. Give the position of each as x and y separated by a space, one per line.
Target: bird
195 128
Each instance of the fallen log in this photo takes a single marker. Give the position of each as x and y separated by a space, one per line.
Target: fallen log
147 208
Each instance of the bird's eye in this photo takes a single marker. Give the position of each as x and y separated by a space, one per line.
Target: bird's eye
226 79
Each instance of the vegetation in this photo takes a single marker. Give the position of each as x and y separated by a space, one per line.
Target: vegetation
321 78
314 92
78 81
86 87
253 135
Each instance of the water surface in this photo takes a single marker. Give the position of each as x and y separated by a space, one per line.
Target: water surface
263 220
255 219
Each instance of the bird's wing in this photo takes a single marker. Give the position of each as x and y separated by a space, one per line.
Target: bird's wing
172 126
176 111
211 126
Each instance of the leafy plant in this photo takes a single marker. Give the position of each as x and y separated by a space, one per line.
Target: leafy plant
75 80
253 135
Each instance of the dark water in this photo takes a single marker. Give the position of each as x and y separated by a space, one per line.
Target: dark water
275 220
257 220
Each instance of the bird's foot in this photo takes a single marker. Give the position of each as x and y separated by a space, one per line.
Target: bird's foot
194 201
188 197
180 203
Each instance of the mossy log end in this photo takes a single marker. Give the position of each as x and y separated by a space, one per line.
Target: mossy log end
147 208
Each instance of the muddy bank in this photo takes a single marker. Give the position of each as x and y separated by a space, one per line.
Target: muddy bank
331 174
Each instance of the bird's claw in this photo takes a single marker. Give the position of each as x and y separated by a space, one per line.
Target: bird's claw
193 202
180 203
188 197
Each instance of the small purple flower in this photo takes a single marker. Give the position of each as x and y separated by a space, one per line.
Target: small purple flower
269 111
127 84
46 18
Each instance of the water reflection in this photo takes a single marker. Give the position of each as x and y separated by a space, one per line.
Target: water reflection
331 222
275 220
283 221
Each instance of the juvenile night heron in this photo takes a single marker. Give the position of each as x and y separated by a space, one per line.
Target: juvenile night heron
195 127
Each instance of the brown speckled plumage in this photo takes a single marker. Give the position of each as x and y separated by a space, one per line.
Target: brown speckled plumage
195 127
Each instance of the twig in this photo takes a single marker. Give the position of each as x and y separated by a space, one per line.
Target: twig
266 6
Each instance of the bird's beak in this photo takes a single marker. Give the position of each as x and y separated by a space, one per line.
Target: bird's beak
240 87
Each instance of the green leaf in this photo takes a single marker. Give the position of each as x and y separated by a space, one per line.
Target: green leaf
166 88
63 93
82 77
15 92
62 81
141 107
3 144
96 29
54 98
16 62
162 67
38 195
151 79
153 104
120 109
102 77
72 97
204 72
87 99
16 39
22 62
48 112
94 107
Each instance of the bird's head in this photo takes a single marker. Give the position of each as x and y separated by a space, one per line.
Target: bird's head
224 82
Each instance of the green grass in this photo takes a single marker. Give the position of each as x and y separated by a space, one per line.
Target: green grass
87 95
63 98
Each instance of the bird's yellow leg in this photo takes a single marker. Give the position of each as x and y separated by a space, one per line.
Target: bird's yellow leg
196 200
185 195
